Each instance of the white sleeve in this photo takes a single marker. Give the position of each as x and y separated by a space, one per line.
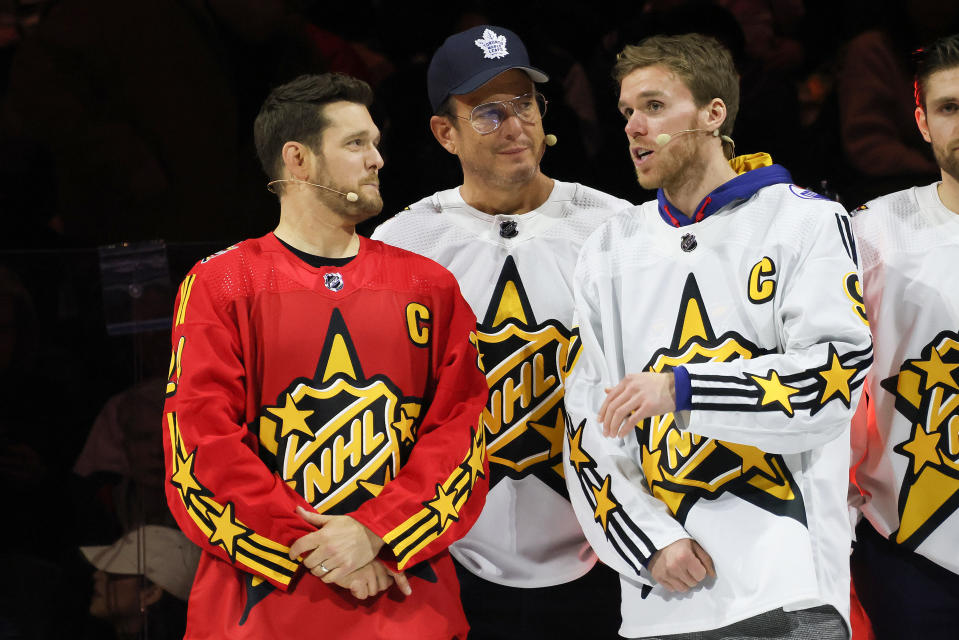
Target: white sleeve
623 522
804 394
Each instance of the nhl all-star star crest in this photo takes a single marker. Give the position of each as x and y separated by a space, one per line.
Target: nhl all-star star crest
526 363
680 467
927 394
339 437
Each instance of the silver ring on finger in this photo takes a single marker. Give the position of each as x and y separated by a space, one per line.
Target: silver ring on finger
323 567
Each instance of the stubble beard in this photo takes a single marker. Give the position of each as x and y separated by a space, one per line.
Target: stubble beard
367 206
947 161
674 170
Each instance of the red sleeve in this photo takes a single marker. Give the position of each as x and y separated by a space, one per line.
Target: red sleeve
439 493
222 495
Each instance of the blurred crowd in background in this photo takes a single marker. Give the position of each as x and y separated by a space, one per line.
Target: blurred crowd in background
126 154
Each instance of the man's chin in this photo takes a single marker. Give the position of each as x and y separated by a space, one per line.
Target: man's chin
646 181
365 208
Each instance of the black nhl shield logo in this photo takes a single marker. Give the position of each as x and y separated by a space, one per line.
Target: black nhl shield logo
333 281
688 242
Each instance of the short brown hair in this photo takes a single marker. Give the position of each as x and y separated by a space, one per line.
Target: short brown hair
941 54
702 63
294 112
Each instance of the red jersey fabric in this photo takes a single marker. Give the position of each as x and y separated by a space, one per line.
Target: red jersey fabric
354 389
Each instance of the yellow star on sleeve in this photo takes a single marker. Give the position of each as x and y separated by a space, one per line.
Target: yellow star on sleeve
444 506
183 476
922 448
775 391
226 529
474 463
837 380
578 457
292 418
937 371
604 503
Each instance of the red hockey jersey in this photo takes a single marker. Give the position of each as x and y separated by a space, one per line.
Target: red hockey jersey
355 390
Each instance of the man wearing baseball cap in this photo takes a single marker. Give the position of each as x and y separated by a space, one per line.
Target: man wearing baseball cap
511 235
149 570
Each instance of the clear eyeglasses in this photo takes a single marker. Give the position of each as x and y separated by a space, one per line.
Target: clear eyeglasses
487 117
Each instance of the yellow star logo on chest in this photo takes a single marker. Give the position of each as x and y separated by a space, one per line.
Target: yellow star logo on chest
526 362
927 397
554 434
923 447
681 467
937 371
292 418
376 487
404 427
338 437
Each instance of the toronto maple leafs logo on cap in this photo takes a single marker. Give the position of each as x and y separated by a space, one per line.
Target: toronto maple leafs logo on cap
455 69
492 44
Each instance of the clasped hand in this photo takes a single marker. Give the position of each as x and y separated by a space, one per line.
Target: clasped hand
636 397
343 552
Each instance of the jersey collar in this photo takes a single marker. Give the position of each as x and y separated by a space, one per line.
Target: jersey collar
755 172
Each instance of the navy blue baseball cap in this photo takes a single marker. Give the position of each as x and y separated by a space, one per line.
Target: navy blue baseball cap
471 58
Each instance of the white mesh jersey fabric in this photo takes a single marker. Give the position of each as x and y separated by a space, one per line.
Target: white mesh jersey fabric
519 287
910 246
754 301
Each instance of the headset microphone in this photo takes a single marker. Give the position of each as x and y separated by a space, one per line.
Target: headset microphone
550 140
349 195
664 138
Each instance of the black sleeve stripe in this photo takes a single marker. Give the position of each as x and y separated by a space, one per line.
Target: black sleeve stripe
635 557
852 240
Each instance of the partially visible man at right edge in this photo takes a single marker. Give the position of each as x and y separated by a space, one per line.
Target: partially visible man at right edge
905 563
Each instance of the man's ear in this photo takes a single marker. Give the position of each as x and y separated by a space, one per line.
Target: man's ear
444 132
150 595
296 159
922 124
714 114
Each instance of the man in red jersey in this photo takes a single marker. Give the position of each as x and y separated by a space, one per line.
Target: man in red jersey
321 417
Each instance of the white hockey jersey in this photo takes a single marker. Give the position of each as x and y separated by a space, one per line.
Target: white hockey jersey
907 437
516 272
759 303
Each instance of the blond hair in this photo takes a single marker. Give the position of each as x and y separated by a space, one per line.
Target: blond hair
702 63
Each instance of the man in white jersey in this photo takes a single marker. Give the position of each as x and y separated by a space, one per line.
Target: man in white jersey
511 235
723 356
905 436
